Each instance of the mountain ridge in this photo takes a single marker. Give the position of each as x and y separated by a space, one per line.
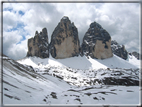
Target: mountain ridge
65 43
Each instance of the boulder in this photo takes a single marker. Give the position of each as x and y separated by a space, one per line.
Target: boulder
38 46
64 40
96 42
119 50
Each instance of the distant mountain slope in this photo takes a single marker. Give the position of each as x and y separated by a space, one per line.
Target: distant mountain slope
136 55
119 50
80 62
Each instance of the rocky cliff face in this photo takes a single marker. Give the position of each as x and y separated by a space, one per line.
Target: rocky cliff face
64 40
38 46
119 50
97 42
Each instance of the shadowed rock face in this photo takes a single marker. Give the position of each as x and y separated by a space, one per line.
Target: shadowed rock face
38 46
119 50
96 42
64 40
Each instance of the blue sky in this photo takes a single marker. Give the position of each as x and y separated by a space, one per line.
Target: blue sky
21 20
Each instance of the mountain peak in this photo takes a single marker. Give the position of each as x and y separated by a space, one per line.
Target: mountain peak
65 18
96 42
38 46
96 25
64 40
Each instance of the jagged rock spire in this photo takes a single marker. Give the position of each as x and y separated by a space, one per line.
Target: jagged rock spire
38 46
64 40
97 42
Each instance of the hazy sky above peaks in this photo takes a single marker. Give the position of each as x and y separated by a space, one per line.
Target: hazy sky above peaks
21 20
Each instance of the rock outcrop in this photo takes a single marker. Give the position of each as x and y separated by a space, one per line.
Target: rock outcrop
64 40
96 42
137 55
38 46
119 50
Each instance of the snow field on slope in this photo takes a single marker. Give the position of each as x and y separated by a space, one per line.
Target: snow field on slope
38 91
80 62
133 60
21 88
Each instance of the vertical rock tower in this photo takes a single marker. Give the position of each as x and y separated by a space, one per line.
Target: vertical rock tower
64 40
38 46
97 42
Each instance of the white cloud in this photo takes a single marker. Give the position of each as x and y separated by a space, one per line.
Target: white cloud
9 20
9 40
121 20
18 51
